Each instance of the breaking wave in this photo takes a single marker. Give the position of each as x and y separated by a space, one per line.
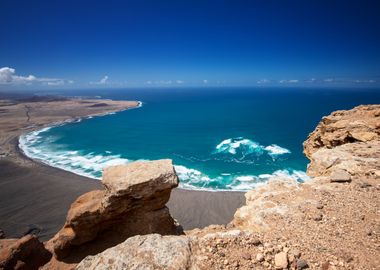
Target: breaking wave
245 150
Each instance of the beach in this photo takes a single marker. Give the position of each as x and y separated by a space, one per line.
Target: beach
36 197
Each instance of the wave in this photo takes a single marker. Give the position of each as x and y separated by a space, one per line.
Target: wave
90 165
245 150
196 180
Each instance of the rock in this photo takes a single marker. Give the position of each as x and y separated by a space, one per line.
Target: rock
318 217
246 256
360 124
259 257
24 253
319 206
2 234
345 140
281 260
133 203
340 176
302 264
296 253
143 252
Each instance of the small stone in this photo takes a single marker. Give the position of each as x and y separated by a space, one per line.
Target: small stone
256 242
369 232
364 185
281 260
319 206
340 176
259 257
296 253
226 262
221 254
246 256
318 217
302 264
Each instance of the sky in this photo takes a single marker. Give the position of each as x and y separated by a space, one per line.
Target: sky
104 44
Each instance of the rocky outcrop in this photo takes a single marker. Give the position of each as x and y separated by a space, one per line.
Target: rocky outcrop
361 124
333 216
143 252
133 203
346 142
24 253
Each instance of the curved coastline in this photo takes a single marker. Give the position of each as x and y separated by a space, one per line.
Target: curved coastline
90 163
21 148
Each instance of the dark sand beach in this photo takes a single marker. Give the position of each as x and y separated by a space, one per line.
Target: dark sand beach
35 198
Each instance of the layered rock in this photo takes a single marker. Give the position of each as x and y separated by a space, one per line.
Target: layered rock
24 253
133 203
143 252
346 142
361 124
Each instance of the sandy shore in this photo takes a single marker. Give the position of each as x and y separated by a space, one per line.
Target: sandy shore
35 197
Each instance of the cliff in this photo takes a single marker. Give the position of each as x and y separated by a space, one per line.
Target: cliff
329 222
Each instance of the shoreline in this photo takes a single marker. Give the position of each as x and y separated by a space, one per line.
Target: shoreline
36 196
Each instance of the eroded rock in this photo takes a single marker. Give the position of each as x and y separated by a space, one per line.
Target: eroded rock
24 253
133 203
143 252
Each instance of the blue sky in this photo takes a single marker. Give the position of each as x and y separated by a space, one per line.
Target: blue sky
84 44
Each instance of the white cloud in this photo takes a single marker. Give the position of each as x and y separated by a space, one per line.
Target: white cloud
103 80
8 76
205 81
263 81
179 81
328 80
289 81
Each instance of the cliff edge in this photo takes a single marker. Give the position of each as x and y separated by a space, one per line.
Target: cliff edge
328 222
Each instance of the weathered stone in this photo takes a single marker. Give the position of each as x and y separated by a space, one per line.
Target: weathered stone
24 253
340 176
143 252
360 124
259 257
302 264
133 203
281 260
2 234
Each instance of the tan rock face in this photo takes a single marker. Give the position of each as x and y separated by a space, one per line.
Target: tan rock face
361 124
24 253
347 142
143 252
132 203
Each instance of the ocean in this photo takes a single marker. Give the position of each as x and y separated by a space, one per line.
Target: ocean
230 139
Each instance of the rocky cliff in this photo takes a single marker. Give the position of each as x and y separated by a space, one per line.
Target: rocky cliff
132 203
329 222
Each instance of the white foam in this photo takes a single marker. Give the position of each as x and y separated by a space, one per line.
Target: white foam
239 145
275 150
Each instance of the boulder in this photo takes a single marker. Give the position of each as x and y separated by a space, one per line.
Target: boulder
24 253
132 203
143 252
340 176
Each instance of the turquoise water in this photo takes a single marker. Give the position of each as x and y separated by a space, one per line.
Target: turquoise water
219 139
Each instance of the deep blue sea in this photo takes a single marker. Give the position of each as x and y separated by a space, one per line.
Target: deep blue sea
218 139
